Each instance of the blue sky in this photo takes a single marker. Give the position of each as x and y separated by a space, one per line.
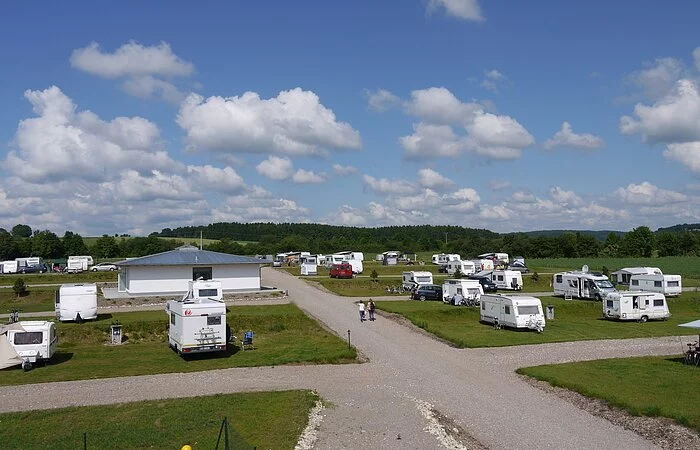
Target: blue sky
508 115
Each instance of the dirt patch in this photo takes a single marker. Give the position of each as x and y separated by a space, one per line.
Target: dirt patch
662 431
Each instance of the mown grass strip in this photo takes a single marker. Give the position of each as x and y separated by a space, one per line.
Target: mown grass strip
647 386
261 419
283 335
575 320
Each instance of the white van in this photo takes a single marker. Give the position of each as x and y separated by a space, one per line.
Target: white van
636 305
666 284
512 311
507 279
76 302
413 279
469 290
464 267
27 343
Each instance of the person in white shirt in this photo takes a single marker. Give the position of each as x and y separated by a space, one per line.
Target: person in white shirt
362 311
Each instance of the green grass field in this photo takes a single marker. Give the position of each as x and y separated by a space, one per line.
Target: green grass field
283 335
261 419
649 386
37 299
686 266
575 320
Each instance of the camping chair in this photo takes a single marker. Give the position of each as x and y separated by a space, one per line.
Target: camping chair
247 341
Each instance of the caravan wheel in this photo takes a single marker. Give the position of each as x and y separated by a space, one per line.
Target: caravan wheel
643 319
26 366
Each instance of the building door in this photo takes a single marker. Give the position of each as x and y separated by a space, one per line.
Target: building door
203 273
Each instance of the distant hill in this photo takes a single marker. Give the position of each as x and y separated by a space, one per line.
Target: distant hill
681 227
601 235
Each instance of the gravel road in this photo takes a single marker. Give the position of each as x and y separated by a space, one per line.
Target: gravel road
401 398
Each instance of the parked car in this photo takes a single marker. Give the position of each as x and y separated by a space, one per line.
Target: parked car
486 283
427 292
341 271
518 266
104 267
37 268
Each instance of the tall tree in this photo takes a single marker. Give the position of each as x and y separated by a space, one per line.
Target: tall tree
73 244
47 245
639 242
8 247
21 230
105 247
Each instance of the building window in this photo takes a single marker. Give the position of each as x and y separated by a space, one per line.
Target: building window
658 302
201 272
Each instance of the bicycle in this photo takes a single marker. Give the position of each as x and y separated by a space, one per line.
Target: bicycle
692 355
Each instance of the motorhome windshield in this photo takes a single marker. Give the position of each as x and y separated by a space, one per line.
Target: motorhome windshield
604 284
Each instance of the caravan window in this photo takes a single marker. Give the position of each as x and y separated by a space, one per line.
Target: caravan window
559 278
635 282
208 292
500 278
657 284
610 304
672 284
507 309
483 306
172 318
213 320
30 337
658 302
529 309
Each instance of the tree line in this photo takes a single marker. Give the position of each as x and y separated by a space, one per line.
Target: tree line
268 238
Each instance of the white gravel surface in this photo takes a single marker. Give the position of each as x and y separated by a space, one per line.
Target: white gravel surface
382 403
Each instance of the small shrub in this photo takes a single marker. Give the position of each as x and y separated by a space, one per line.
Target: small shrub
19 287
606 271
535 276
374 275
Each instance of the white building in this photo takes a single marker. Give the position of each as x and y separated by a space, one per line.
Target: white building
170 272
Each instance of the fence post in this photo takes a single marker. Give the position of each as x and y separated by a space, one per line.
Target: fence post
85 441
349 340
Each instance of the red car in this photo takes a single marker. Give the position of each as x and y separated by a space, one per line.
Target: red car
341 271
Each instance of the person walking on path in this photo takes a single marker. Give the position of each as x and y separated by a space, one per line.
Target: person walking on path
362 311
370 308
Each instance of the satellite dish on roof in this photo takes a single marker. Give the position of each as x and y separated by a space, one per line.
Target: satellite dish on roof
584 269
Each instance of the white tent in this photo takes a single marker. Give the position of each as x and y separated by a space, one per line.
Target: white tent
8 355
693 324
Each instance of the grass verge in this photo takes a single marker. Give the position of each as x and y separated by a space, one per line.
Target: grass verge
261 419
362 287
575 320
59 278
283 335
647 386
37 299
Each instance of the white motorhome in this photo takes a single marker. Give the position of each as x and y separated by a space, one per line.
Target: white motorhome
512 311
495 256
76 302
636 305
464 267
469 290
87 259
666 284
197 322
483 264
623 275
413 279
434 259
9 266
444 258
27 343
309 265
582 284
507 279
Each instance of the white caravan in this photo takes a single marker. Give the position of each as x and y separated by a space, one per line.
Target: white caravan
30 261
87 259
9 266
309 265
413 279
198 321
483 264
582 284
665 284
76 302
495 256
357 266
76 266
358 256
434 259
444 258
512 311
507 279
636 305
464 267
27 343
623 275
470 291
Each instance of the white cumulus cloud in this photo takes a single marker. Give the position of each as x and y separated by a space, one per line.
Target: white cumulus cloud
302 176
461 9
497 137
215 179
431 141
294 122
687 153
386 186
275 168
381 100
429 178
344 170
648 194
658 78
438 105
566 137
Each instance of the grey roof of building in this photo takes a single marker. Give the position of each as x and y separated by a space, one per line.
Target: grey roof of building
187 256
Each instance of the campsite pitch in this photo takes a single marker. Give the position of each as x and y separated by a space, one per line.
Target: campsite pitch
283 335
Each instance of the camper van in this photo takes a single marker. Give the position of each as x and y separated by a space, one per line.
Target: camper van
503 257
76 302
666 284
9 267
507 279
197 322
309 265
411 280
444 258
512 311
469 291
582 284
27 343
636 305
87 259
464 267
